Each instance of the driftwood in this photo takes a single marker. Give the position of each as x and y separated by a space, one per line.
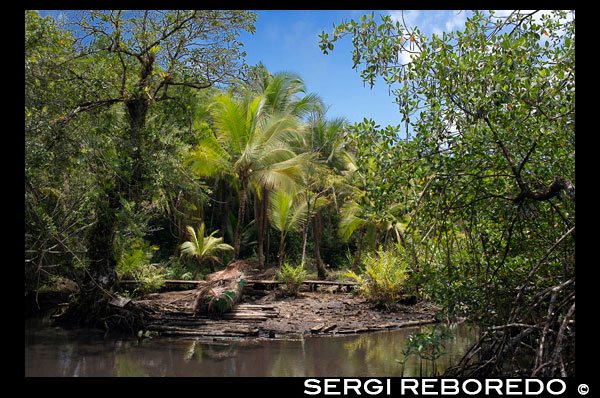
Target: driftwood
221 290
243 320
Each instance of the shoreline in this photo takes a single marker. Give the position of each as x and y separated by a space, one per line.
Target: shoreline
274 315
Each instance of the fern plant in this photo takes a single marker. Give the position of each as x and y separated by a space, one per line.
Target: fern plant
383 277
135 263
133 255
292 277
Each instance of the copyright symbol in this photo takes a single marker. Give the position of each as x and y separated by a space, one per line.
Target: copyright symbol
583 389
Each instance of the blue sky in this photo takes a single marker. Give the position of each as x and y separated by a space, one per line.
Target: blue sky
287 40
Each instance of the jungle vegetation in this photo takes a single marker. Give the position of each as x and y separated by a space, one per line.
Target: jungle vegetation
147 135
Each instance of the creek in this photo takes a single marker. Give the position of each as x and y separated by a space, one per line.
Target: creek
52 351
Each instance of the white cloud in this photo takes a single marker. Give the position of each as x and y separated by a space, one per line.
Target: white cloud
457 21
410 17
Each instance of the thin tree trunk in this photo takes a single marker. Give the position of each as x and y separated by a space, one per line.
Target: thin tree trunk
280 252
223 211
317 235
240 220
304 238
265 220
305 230
260 217
361 234
177 215
268 246
259 230
199 261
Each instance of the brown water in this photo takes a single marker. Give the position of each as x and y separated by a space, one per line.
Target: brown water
51 351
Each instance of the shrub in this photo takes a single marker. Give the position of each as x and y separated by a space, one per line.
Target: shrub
427 346
383 277
176 269
291 277
150 278
134 263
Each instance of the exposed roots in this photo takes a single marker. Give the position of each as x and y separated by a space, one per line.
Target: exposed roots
537 341
96 312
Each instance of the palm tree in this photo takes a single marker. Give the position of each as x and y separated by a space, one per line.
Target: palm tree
353 218
350 221
327 139
202 247
287 212
332 159
249 144
284 93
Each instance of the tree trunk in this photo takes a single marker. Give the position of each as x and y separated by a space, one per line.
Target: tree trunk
265 220
101 235
305 230
260 217
223 211
196 270
268 246
317 235
240 220
361 234
137 109
280 252
304 238
259 232
100 245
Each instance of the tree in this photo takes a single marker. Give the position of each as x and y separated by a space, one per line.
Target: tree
492 107
283 95
287 213
375 200
327 140
202 247
249 144
107 77
143 56
57 186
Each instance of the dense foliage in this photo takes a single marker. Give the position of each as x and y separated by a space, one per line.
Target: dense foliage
488 176
146 135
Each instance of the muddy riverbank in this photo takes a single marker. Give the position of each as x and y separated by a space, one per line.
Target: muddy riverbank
274 314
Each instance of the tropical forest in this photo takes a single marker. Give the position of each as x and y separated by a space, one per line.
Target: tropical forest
175 191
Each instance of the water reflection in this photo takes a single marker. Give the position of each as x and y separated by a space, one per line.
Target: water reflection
56 352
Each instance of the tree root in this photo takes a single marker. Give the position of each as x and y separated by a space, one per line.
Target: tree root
95 311
537 340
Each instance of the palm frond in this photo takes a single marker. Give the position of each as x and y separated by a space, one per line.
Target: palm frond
349 222
307 104
209 158
278 129
230 123
287 213
201 246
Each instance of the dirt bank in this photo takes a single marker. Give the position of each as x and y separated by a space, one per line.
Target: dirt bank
274 315
322 312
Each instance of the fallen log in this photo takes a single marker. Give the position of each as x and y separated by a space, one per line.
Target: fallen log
221 290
